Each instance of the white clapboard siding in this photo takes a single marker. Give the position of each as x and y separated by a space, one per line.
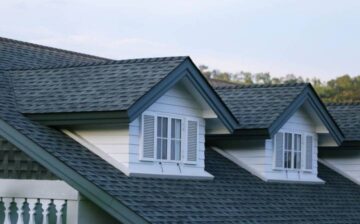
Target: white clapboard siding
257 156
345 162
120 144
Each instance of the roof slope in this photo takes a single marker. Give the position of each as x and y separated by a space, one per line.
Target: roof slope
258 106
233 196
108 87
22 55
347 115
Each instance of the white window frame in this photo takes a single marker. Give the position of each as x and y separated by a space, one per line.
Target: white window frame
303 151
292 150
183 151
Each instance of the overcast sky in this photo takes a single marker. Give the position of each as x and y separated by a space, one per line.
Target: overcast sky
308 38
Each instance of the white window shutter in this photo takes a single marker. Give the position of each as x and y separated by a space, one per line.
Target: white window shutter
279 150
192 141
309 152
148 137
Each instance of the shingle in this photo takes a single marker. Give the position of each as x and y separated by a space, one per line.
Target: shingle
258 106
347 116
107 87
234 196
21 55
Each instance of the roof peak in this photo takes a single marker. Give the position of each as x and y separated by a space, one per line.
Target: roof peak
243 86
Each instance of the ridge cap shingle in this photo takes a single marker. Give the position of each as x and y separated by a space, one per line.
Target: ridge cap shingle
350 103
244 86
29 44
111 62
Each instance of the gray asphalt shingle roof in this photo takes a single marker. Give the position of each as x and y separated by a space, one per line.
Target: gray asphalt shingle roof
107 87
347 116
22 55
258 106
234 196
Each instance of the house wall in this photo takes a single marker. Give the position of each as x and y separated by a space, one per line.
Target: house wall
257 155
120 144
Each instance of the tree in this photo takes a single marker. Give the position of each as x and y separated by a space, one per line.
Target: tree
341 89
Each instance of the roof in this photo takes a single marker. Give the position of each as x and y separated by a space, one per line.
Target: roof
258 106
234 195
347 115
107 87
221 83
16 54
263 109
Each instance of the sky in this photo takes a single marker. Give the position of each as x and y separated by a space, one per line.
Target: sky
306 38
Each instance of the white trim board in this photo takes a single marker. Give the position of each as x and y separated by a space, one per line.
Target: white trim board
339 171
239 163
97 151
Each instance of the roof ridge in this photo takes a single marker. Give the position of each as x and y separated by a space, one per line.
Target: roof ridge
53 49
350 103
111 62
244 86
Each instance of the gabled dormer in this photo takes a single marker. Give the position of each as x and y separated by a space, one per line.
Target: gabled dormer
146 117
279 130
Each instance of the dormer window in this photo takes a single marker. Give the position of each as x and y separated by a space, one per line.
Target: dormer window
169 138
293 151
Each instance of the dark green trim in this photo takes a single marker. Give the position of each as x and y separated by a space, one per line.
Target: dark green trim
309 95
352 143
74 118
114 207
185 70
240 134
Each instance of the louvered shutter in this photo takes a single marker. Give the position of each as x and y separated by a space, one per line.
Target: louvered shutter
309 152
279 150
192 141
148 137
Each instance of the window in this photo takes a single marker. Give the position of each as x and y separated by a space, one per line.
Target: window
162 138
168 138
175 139
292 151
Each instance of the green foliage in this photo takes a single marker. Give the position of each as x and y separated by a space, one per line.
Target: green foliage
341 89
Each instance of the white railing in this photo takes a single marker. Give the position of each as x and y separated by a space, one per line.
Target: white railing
37 202
32 211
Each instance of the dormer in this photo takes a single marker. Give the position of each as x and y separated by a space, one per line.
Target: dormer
279 131
146 117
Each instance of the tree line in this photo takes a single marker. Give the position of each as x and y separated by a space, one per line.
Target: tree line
341 89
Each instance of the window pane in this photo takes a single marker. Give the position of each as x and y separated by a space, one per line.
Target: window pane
172 128
287 159
165 127
297 146
159 119
178 150
297 160
288 140
158 149
178 129
164 149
